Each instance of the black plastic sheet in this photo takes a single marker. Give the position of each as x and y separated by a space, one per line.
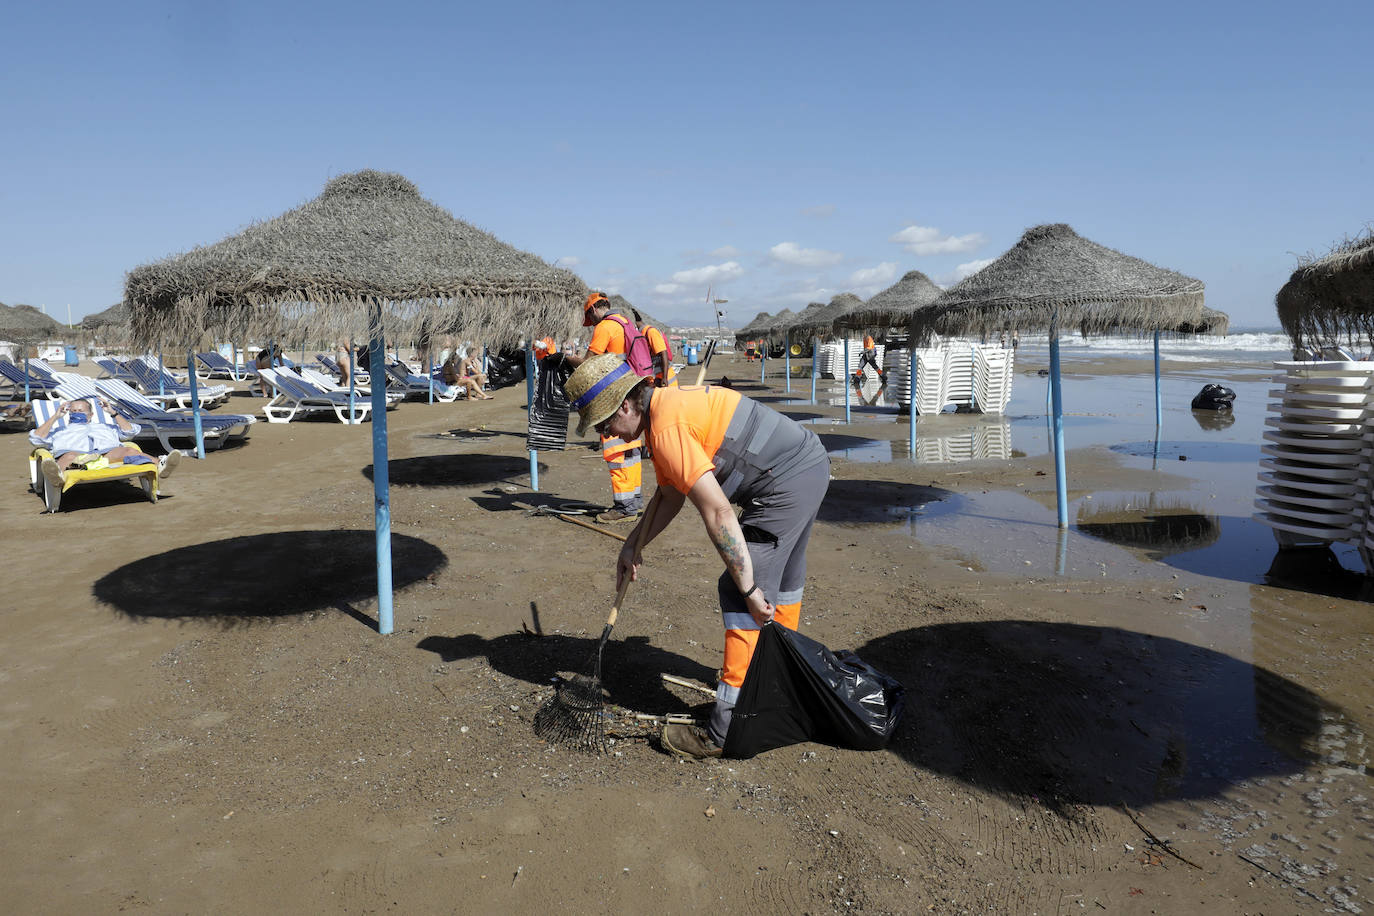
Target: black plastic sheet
798 690
1213 397
548 415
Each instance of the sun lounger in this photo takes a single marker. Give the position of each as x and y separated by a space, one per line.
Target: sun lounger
330 365
173 429
164 385
145 475
416 386
14 377
294 397
214 365
113 368
325 383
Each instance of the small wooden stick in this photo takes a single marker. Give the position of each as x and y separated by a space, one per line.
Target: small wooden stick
691 685
578 521
1156 840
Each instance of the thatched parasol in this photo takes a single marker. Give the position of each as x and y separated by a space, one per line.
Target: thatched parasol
1212 322
819 320
753 328
780 324
25 324
1052 271
895 305
368 241
1331 298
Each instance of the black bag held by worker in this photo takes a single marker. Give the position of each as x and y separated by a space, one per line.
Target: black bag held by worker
1213 397
798 690
548 415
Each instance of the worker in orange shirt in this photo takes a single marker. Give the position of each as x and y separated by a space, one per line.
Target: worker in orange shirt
622 456
664 373
715 447
545 347
869 357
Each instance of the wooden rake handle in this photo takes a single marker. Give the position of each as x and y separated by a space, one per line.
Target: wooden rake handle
639 542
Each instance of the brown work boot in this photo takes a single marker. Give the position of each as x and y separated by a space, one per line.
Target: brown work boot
690 741
617 515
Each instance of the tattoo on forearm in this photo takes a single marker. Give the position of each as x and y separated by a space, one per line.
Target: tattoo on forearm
730 547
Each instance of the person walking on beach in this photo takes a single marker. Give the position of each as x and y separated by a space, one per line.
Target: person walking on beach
715 447
868 357
610 334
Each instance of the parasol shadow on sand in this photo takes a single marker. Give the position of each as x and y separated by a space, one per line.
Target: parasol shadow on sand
368 257
1069 714
878 501
634 666
263 576
463 470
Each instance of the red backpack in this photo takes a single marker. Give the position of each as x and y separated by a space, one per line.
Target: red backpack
638 353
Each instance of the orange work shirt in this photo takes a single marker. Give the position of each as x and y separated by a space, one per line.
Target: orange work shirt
686 427
607 337
656 342
550 347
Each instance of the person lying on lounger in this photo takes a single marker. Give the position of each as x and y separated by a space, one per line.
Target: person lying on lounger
86 437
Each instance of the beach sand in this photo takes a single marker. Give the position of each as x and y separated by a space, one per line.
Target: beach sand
1152 712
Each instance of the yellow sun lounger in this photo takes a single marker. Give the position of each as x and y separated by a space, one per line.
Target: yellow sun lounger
145 475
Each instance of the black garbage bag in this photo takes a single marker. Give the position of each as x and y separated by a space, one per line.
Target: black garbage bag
1213 397
798 690
505 368
548 415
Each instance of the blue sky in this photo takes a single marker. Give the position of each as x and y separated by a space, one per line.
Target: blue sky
778 153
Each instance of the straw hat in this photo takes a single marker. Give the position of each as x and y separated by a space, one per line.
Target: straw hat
598 387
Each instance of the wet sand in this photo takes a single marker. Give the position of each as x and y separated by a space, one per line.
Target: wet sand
1153 712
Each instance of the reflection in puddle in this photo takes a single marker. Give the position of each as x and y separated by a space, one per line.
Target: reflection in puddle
1214 419
1158 526
968 443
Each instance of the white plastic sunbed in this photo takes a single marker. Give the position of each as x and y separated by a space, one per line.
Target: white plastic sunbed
292 398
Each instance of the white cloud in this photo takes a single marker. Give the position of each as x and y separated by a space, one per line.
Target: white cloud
726 251
927 240
666 289
794 254
711 273
972 267
879 276
821 211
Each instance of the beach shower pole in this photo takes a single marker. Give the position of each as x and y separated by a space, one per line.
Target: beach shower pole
911 397
380 473
195 404
846 378
529 389
787 361
815 345
1057 409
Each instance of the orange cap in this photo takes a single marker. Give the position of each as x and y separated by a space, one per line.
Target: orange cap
592 299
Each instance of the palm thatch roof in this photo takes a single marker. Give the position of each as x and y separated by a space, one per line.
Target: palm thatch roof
1213 322
780 324
1331 298
368 240
758 326
22 323
1054 270
894 305
820 319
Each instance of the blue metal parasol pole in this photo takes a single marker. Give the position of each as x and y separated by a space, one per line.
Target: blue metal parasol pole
1057 406
763 358
911 394
1159 401
529 388
195 405
815 345
352 380
846 378
161 373
26 374
787 359
381 485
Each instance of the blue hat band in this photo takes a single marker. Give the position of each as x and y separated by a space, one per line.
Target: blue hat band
606 380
